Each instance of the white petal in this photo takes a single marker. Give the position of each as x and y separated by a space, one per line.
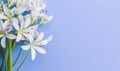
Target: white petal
32 28
7 26
6 10
1 35
15 24
21 19
3 42
6 23
49 38
25 47
3 17
12 11
33 54
44 42
21 10
30 38
1 25
40 50
50 18
11 36
45 19
27 21
40 37
25 35
43 6
19 37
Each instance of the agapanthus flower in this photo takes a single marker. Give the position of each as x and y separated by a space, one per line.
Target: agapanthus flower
23 27
44 19
5 29
37 45
37 8
7 13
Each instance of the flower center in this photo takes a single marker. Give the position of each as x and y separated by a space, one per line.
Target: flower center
20 30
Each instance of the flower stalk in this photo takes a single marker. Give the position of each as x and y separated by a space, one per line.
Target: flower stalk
10 67
23 61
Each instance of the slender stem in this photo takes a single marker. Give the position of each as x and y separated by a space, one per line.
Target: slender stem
2 62
10 68
6 63
18 57
3 59
2 56
14 45
23 61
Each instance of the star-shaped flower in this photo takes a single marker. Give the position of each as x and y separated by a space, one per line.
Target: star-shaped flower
7 13
23 28
37 45
5 29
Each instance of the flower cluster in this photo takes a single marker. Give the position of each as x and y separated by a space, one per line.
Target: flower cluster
20 20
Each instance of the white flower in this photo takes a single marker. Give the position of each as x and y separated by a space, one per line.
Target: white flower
5 29
24 29
37 45
21 7
45 19
7 13
36 7
17 2
19 10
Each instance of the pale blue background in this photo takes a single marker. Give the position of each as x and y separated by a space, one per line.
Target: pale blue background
86 37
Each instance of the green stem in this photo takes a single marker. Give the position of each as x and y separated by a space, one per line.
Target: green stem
3 59
14 45
5 63
23 61
2 62
18 57
9 63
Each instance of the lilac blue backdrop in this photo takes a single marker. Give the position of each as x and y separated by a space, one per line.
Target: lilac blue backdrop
86 37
